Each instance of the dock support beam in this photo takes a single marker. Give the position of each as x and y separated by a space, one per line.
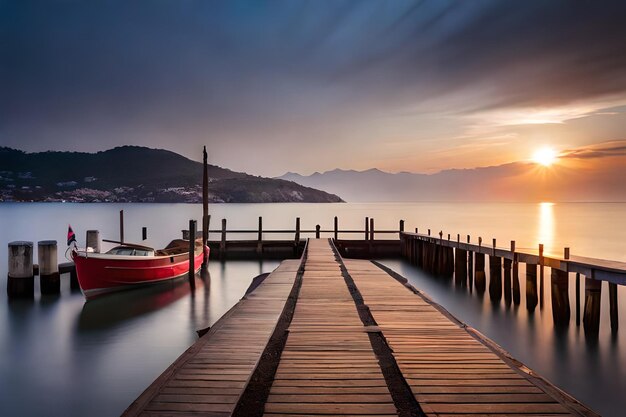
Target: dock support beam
223 241
507 281
613 306
577 299
560 298
460 267
21 281
515 278
531 287
367 228
192 250
479 275
336 228
296 239
205 206
495 278
372 228
259 245
49 278
591 316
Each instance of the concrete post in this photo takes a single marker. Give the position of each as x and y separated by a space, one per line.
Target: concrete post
49 278
21 281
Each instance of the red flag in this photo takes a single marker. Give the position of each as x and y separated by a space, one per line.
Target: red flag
71 237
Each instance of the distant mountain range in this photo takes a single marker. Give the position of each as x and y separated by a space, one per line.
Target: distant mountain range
136 174
520 181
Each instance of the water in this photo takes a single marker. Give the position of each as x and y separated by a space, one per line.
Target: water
94 358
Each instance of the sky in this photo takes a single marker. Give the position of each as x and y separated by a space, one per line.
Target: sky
304 86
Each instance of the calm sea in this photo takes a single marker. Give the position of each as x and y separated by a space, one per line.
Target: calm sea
62 356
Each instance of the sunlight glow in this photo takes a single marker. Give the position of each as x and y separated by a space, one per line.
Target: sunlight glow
545 156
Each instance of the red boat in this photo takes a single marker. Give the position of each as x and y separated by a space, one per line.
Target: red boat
128 266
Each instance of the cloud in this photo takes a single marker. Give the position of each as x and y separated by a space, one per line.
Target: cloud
601 150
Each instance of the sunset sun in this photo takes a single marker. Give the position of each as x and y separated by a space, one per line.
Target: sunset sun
545 156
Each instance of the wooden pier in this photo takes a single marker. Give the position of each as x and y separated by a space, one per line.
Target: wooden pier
327 336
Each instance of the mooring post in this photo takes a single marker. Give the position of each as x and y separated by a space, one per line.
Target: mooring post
367 228
21 280
122 226
531 287
460 266
507 281
372 228
223 241
259 245
560 297
613 306
541 262
192 255
515 277
495 277
470 266
479 274
401 225
297 237
93 240
577 298
205 206
336 228
49 278
144 233
593 296
317 231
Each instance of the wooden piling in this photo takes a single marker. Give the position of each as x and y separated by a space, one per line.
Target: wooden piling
531 287
460 267
259 244
507 281
591 315
495 278
541 275
479 274
223 241
205 205
122 226
49 278
577 299
560 298
144 233
367 228
192 250
515 276
317 231
372 228
613 306
470 266
401 227
20 280
297 236
336 228
92 240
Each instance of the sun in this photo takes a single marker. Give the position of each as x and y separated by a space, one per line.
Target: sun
545 156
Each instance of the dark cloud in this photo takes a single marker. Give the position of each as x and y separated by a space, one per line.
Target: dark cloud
100 73
601 150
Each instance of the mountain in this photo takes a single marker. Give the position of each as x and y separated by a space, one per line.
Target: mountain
520 181
136 174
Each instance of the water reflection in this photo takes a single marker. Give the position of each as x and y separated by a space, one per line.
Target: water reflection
108 311
545 231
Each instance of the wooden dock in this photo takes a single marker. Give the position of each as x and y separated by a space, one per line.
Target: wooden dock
324 336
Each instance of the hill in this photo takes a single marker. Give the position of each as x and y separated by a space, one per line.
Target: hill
519 181
136 174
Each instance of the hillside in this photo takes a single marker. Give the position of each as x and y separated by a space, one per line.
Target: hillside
519 181
136 174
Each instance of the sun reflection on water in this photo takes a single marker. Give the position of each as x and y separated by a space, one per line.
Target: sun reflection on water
545 231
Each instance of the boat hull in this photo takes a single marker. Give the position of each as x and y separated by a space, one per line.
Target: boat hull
100 274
